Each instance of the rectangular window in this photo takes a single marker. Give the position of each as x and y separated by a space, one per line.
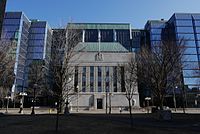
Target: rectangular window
92 79
115 79
99 79
107 79
91 35
122 80
84 79
106 35
76 79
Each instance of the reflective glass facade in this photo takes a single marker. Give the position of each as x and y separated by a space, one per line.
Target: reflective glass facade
39 45
2 11
186 26
33 42
16 27
181 26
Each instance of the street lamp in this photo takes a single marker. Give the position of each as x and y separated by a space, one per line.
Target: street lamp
33 102
174 96
22 94
77 97
7 98
147 99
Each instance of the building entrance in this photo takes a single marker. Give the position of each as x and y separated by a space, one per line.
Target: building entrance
99 104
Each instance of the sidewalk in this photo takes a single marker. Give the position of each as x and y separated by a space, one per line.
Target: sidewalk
27 111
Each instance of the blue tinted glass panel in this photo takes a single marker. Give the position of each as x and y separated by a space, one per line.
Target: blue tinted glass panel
10 28
191 81
184 29
184 23
190 51
37 30
11 21
190 58
183 16
196 16
37 36
197 23
190 65
190 73
190 44
156 31
158 25
198 36
36 42
185 36
197 29
155 37
35 49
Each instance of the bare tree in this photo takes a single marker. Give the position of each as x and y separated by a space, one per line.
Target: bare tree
63 49
160 68
127 77
37 80
7 59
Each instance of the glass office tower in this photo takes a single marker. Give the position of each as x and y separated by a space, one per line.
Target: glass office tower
187 26
39 45
2 12
155 28
33 42
181 26
16 29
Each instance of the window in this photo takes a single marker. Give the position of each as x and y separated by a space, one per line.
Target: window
184 23
91 35
37 30
76 79
115 79
107 79
185 36
106 35
99 79
92 79
122 80
190 58
84 79
190 51
184 29
190 65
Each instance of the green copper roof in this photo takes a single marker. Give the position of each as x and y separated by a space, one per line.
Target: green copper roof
104 47
99 26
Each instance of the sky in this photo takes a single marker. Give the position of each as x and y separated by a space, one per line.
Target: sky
136 12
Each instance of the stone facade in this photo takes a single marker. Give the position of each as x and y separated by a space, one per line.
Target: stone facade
95 97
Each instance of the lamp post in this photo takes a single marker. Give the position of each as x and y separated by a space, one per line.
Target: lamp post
147 99
174 97
110 94
7 98
33 108
22 94
77 109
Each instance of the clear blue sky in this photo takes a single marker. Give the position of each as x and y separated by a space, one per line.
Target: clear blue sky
136 12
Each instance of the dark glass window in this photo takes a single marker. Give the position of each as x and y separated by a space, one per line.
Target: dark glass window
122 80
84 79
37 30
91 35
115 79
106 35
185 29
99 79
92 79
107 79
184 23
76 79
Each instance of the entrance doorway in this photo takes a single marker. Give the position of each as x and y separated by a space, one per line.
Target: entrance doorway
99 103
